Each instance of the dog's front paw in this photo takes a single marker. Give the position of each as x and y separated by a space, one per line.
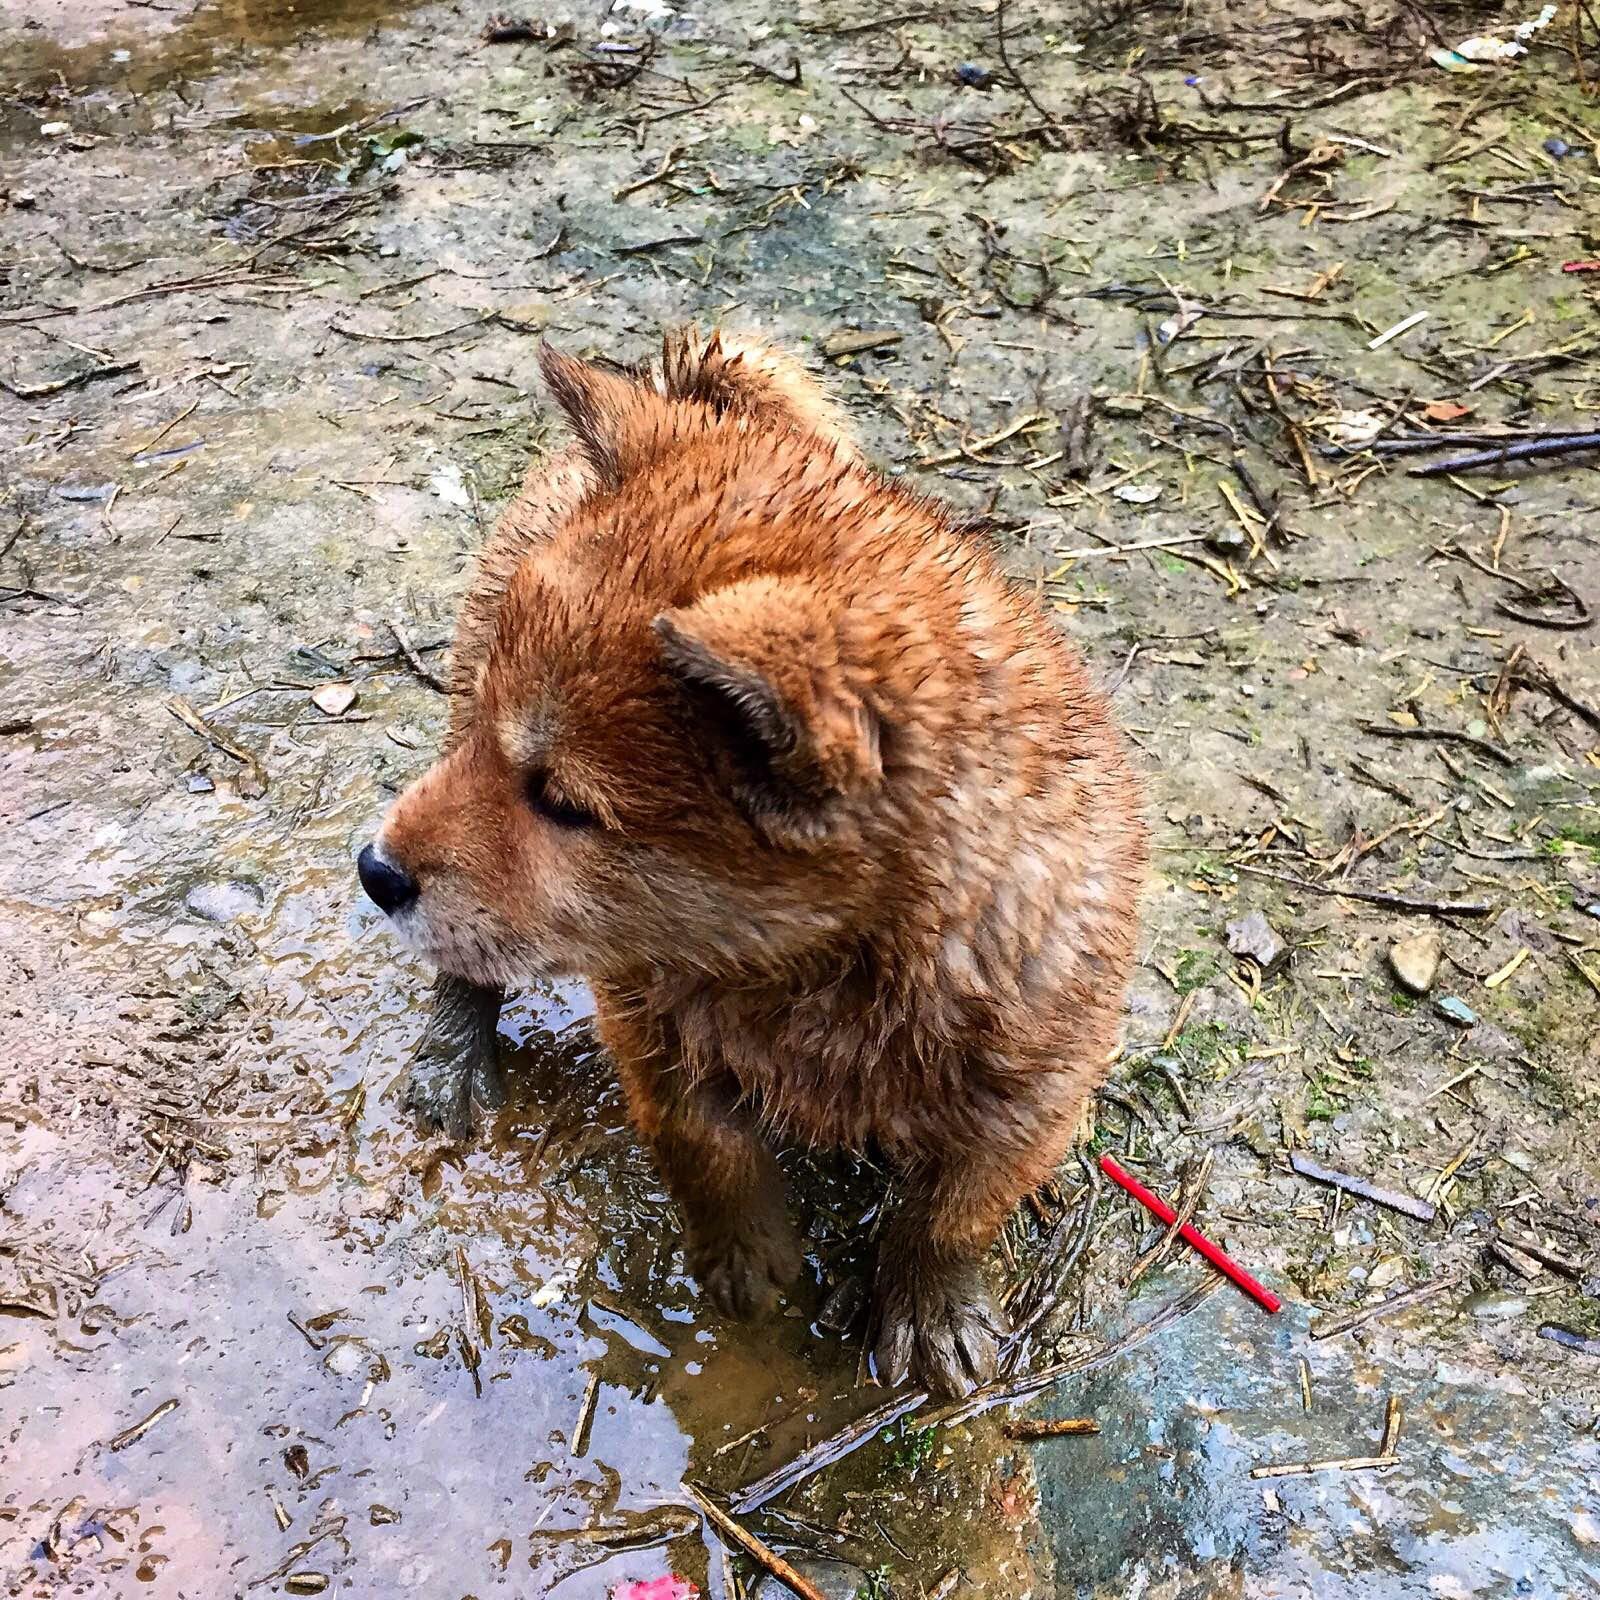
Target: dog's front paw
454 1075
744 1274
453 1078
939 1326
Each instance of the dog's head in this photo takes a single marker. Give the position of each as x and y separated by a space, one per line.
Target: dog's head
668 757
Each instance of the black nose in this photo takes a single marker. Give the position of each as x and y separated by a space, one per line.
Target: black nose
389 888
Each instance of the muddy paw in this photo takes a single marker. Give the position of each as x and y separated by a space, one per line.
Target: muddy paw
744 1276
453 1081
454 1075
939 1327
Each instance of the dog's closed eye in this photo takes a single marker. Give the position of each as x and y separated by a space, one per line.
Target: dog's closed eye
549 803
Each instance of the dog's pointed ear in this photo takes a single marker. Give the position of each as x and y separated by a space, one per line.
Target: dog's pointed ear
760 662
608 409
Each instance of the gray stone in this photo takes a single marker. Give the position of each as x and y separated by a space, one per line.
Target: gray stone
1490 1044
780 61
1255 937
834 1580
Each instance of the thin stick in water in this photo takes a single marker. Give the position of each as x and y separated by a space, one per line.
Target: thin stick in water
753 1547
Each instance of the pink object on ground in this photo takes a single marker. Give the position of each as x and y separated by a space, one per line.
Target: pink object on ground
670 1587
1224 1263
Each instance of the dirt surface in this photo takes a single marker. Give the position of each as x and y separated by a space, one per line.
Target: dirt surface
271 283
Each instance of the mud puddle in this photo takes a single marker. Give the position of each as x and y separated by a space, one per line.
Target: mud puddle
112 45
394 1370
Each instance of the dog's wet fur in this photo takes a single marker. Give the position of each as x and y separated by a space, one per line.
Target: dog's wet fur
825 809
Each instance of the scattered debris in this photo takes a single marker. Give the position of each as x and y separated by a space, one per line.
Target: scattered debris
580 1429
848 343
833 1580
1138 494
815 1458
333 699
94 374
1397 1302
1536 1249
414 659
1301 1469
1171 426
1568 1340
1379 897
504 29
1058 1428
1567 444
1492 49
743 1539
1523 1265
132 1435
1392 1198
253 782
1218 1258
1385 730
1404 325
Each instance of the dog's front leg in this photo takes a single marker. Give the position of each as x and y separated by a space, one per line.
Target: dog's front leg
933 1317
742 1247
454 1074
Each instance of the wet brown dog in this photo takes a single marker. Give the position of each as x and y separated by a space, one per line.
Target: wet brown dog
827 812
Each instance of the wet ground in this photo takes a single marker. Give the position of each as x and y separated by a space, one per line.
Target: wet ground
271 279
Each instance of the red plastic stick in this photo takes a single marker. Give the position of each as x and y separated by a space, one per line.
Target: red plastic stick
1224 1264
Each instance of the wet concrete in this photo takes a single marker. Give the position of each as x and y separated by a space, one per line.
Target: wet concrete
1493 1493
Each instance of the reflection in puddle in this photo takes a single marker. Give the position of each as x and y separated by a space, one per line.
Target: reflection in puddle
108 44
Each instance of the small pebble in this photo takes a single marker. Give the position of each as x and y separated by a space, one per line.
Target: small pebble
333 699
1255 937
224 902
1494 1304
1416 961
345 1357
